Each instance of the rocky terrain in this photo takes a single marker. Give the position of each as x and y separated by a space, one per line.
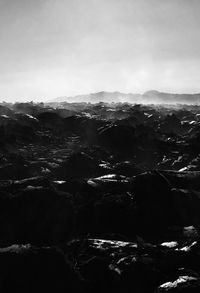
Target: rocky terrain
99 197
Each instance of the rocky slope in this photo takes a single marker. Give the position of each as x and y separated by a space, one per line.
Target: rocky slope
99 198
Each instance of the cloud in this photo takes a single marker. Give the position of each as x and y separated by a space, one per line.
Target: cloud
56 47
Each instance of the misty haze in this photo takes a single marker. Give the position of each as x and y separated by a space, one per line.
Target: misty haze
99 146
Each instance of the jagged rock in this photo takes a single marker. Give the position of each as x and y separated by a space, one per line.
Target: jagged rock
184 284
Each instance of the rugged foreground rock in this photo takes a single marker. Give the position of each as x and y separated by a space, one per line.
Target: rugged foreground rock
99 198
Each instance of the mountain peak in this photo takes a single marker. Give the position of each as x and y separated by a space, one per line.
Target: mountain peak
149 97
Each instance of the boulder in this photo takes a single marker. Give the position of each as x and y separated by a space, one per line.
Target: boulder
27 269
117 137
36 215
78 165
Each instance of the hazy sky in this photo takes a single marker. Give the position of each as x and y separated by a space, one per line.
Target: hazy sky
51 48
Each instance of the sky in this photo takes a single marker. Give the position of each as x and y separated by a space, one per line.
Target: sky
52 48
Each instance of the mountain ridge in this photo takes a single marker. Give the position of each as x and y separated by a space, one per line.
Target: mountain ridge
148 97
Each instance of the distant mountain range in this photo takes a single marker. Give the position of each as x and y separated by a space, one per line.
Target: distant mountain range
146 98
